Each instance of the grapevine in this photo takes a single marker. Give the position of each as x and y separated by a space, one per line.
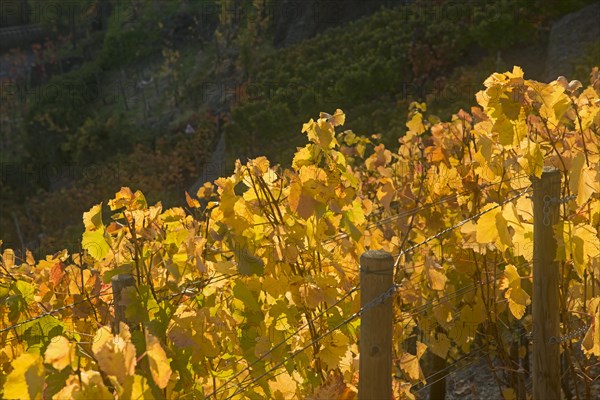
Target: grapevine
250 290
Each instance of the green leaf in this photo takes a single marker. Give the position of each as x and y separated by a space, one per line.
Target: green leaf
26 290
95 243
40 331
122 269
248 299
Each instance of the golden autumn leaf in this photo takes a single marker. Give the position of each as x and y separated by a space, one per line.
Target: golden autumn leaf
205 191
435 273
137 387
60 353
402 390
8 258
191 202
56 273
333 348
338 118
439 345
304 156
92 219
333 388
589 183
159 363
409 363
591 340
509 394
284 386
487 232
126 198
493 228
518 299
385 194
416 124
115 353
260 165
553 100
85 386
26 381
300 201
421 348
517 302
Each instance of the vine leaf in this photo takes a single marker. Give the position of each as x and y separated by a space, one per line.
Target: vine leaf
60 353
159 363
88 385
518 299
115 353
26 379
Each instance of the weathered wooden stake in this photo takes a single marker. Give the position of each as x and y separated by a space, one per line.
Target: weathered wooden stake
120 282
375 344
545 302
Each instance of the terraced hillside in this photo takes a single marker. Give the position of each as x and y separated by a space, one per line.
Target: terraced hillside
375 66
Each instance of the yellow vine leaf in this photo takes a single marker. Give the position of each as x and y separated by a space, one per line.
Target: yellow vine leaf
284 386
554 101
26 381
443 314
248 263
591 340
421 347
523 241
509 394
60 353
416 124
409 363
435 273
136 387
115 353
321 132
88 385
588 184
189 329
464 330
518 299
159 363
126 198
300 201
579 243
338 118
439 345
93 239
92 219
304 156
492 227
333 348
311 294
402 390
486 226
8 258
191 202
205 191
532 159
385 194
333 388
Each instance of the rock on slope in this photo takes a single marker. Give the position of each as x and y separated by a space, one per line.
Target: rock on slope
568 39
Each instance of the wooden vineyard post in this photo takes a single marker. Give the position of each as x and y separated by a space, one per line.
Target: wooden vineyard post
545 301
120 282
375 343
